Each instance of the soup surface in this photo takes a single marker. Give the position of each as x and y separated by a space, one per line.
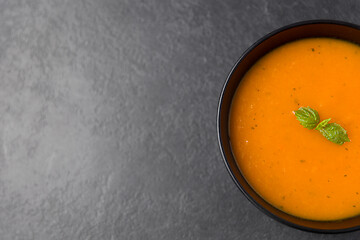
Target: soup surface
296 169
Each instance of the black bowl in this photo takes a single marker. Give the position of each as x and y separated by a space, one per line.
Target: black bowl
314 28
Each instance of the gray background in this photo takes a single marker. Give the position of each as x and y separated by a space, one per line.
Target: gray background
108 117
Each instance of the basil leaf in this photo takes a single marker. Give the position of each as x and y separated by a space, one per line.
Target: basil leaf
310 119
334 133
307 117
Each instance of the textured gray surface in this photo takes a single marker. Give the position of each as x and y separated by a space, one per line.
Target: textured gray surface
108 117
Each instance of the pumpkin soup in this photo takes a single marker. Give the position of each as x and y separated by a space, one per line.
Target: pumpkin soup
294 168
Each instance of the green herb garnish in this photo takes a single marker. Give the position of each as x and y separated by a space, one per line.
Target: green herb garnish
334 133
310 119
307 117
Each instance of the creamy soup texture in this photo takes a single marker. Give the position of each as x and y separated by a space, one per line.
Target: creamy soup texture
293 168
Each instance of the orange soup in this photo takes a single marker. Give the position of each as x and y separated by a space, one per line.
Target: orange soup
293 168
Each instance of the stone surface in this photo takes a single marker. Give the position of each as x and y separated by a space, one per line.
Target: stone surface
108 117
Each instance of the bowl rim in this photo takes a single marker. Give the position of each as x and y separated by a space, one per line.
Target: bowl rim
220 140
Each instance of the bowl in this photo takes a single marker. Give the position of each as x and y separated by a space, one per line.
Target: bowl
314 28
